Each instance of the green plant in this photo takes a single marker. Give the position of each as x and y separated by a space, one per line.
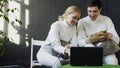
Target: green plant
3 14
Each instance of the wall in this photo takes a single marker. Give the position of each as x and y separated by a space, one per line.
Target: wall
113 11
44 12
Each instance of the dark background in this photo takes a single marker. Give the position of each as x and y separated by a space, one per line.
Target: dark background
42 13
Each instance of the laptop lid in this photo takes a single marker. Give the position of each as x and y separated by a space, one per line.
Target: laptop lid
86 56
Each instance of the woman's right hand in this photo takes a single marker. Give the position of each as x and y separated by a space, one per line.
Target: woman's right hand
67 51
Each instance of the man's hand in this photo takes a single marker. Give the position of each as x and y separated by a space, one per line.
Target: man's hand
100 36
109 36
94 38
103 35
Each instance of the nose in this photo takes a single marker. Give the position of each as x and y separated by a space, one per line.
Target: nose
92 14
76 20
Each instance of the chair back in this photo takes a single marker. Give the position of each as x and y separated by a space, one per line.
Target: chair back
35 43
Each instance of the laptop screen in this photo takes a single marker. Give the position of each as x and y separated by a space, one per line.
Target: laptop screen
86 56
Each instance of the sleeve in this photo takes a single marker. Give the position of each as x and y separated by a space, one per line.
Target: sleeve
81 34
73 42
111 28
55 38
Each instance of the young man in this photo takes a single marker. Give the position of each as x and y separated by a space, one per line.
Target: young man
96 28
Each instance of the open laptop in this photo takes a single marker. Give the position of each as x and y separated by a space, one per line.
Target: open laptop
86 56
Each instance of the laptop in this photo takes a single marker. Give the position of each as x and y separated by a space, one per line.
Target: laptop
86 56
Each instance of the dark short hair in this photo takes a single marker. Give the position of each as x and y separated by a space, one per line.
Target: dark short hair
92 3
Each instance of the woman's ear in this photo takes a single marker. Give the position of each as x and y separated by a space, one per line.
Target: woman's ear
66 15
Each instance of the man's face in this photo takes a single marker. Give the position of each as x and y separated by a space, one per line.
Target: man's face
93 12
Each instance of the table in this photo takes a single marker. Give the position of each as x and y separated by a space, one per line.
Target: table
104 66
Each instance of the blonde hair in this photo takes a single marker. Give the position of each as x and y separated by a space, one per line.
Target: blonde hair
69 10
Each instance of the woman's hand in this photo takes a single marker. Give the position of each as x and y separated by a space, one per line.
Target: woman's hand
67 51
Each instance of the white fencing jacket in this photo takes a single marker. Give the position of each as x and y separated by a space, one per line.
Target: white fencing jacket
60 30
86 27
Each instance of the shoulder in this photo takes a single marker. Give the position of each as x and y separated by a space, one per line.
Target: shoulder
83 20
56 23
103 17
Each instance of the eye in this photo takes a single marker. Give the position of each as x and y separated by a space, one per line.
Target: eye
89 11
75 17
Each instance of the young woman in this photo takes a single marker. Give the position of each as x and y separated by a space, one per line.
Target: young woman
62 30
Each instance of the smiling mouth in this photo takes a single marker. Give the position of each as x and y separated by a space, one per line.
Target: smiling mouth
93 18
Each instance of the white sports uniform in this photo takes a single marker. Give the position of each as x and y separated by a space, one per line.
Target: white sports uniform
87 27
59 30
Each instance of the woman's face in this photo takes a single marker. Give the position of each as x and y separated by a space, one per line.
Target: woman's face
73 18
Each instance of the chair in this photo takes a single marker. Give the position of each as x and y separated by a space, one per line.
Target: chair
35 43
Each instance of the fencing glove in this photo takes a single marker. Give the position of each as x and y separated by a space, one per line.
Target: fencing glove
94 38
